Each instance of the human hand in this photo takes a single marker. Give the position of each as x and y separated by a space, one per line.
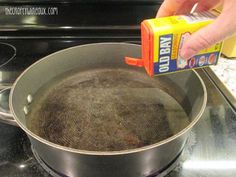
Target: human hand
223 26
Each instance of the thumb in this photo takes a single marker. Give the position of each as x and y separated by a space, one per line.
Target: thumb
206 37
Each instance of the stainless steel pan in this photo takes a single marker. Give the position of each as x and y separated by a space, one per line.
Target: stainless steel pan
187 88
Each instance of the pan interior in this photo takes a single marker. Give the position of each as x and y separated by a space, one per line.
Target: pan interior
105 110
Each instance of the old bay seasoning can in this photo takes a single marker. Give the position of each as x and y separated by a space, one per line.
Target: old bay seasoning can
162 39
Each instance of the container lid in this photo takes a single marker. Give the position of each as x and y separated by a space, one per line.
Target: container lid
147 50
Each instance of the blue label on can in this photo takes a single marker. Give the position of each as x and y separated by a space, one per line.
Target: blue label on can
165 49
196 61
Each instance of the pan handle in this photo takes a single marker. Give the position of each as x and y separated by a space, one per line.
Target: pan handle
5 114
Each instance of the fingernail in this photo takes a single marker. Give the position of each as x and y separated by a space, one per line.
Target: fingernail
187 53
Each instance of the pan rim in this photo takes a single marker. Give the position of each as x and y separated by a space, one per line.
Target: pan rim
102 153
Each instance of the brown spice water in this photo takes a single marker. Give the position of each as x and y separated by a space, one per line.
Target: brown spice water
105 110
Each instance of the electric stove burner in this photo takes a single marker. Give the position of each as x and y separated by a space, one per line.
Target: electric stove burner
174 165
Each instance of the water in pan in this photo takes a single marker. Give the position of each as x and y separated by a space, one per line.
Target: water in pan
105 110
